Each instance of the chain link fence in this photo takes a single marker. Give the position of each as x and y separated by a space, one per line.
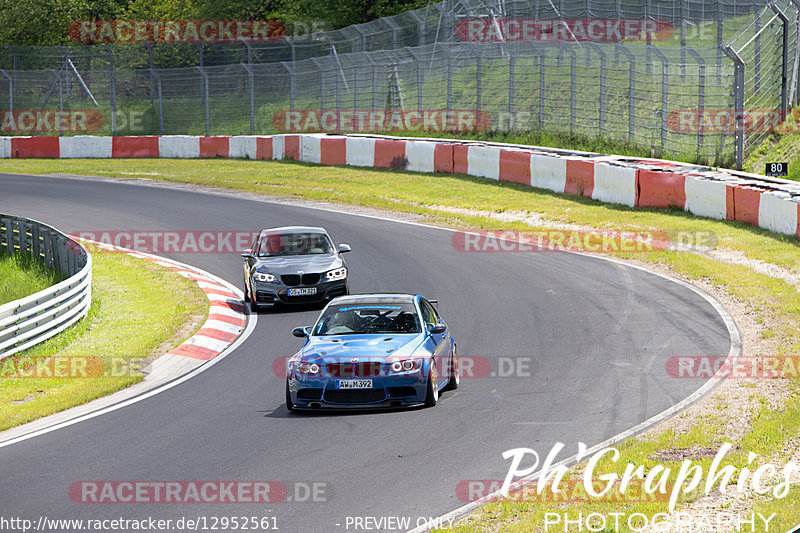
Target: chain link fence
682 91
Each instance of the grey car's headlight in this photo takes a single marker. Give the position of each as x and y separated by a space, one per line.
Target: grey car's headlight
338 273
260 276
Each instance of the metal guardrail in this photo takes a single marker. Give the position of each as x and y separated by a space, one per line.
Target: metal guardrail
35 318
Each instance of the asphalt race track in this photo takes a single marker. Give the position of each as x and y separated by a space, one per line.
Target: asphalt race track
588 338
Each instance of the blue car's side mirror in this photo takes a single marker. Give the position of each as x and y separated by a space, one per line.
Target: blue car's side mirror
435 329
302 332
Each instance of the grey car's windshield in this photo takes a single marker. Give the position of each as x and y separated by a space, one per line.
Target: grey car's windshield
281 244
347 319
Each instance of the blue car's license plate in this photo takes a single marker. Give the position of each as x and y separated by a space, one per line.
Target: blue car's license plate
354 384
305 291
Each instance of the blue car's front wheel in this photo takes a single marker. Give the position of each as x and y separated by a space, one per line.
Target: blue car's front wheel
289 403
433 392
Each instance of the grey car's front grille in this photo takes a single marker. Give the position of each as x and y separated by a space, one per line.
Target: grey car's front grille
293 280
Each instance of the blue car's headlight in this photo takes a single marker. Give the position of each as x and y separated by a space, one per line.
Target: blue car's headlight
306 368
338 273
261 276
409 365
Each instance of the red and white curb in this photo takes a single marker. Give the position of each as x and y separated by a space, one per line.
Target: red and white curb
228 325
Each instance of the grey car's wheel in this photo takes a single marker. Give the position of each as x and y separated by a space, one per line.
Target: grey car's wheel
433 393
246 293
455 377
289 404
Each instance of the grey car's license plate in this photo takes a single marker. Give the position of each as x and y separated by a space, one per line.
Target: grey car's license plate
305 291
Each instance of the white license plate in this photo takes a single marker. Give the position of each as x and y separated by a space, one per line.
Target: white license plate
305 291
354 384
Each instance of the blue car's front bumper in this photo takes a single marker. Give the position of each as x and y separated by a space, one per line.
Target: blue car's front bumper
386 392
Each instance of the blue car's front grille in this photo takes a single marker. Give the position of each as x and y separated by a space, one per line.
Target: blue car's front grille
309 394
400 392
354 370
354 396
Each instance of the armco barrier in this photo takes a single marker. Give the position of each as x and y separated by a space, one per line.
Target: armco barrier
135 146
35 318
244 147
484 161
85 146
214 146
515 166
178 146
35 147
661 189
615 184
708 198
770 203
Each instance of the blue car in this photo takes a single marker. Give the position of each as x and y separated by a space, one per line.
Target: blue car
372 351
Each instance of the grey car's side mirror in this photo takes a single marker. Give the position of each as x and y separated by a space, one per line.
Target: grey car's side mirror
302 332
344 248
247 253
435 329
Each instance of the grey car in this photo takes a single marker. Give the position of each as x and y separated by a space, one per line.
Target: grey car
294 265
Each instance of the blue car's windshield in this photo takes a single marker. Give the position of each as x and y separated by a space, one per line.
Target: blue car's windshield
280 244
368 318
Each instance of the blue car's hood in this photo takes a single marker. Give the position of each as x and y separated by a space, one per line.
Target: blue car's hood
365 347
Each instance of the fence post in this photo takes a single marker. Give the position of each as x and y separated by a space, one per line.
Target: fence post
112 76
160 105
631 90
511 63
541 88
720 44
149 47
684 16
738 112
602 112
10 91
701 65
60 104
758 52
449 81
478 88
664 94
202 71
785 61
291 84
251 83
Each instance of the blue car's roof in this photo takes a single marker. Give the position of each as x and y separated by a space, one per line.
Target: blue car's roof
375 298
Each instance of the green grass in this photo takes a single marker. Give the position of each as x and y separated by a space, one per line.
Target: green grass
775 302
21 275
137 306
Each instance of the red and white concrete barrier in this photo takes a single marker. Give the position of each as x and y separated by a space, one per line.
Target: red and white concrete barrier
772 205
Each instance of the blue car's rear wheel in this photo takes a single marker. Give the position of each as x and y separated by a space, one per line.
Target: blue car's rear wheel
433 393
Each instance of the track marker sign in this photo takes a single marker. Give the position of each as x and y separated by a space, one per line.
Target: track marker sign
777 169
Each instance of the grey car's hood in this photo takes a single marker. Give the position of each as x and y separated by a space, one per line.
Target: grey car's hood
292 264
